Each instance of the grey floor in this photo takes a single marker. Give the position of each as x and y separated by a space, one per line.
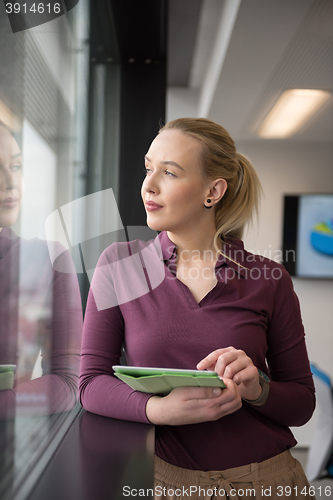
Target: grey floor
323 487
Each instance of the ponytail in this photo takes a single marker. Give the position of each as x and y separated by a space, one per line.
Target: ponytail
240 202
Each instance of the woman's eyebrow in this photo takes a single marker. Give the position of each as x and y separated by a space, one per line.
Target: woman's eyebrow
17 154
167 163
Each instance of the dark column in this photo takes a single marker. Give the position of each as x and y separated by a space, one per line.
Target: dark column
141 29
142 111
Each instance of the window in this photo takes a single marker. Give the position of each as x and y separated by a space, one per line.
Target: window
44 76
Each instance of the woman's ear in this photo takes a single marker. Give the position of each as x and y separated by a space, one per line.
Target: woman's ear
217 190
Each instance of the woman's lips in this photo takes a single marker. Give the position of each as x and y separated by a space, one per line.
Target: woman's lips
151 206
9 203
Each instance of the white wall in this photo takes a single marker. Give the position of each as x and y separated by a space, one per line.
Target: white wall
181 101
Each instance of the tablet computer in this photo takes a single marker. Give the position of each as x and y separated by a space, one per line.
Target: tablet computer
163 380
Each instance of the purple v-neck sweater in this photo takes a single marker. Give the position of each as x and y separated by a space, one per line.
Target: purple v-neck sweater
136 301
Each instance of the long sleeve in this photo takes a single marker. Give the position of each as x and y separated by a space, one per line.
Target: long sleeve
103 336
291 400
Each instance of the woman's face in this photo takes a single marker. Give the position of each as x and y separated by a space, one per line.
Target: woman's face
174 190
10 178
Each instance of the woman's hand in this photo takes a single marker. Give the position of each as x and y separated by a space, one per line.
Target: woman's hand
234 364
192 405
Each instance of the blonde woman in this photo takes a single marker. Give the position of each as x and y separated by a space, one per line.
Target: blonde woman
218 308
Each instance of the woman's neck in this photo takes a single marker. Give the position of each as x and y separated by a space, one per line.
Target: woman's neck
197 245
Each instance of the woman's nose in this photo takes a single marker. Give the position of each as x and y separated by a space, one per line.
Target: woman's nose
7 181
150 183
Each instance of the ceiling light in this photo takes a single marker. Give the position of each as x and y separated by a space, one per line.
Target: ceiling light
292 110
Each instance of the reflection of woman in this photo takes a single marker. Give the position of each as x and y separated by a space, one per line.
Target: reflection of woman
39 308
219 308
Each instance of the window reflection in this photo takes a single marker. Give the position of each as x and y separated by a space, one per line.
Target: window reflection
43 123
40 308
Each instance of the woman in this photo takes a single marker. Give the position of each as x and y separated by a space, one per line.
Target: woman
40 307
218 308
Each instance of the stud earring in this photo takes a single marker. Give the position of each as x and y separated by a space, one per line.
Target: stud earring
208 201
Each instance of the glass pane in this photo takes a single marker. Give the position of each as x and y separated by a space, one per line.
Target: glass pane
43 133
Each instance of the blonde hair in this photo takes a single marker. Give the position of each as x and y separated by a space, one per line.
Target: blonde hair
220 160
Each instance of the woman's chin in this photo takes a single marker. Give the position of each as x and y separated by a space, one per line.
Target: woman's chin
154 225
8 220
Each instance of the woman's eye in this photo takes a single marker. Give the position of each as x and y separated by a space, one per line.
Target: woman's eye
148 171
170 174
16 168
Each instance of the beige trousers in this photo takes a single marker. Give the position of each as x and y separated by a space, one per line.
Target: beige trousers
280 477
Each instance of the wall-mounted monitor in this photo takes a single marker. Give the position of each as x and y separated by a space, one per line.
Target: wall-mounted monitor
308 235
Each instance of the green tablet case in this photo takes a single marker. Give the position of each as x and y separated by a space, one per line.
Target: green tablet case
7 376
163 380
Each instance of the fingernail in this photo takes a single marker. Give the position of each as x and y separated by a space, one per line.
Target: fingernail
216 391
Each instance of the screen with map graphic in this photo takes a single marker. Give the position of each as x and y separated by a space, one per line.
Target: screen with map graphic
308 235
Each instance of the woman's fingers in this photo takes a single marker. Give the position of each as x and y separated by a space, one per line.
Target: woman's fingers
188 405
208 404
230 362
210 360
226 362
196 393
234 364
